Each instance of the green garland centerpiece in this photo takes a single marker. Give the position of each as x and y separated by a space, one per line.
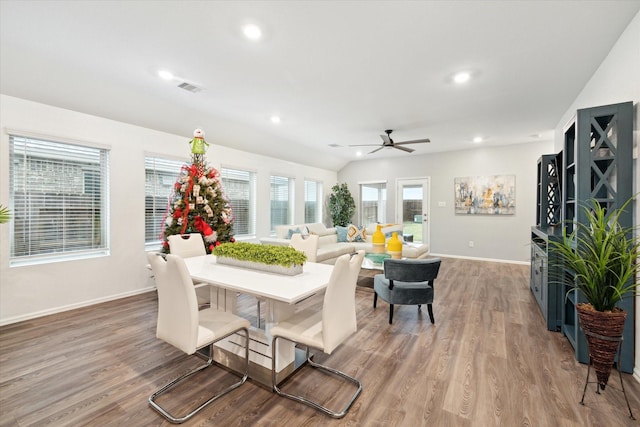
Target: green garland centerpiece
272 258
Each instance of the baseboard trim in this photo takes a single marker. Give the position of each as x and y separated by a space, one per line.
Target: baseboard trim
503 261
34 315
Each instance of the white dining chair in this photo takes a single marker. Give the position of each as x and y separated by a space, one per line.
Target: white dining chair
325 329
187 246
182 325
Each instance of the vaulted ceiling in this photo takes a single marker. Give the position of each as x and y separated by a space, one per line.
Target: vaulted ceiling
336 73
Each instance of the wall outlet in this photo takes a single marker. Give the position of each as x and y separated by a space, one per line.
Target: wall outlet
471 243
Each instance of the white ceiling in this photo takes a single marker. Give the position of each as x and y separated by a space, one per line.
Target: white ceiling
335 72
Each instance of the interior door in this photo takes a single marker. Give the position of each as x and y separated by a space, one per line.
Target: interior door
412 208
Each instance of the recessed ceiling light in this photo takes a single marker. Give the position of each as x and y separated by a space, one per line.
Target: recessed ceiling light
275 119
359 153
252 32
477 139
165 75
461 77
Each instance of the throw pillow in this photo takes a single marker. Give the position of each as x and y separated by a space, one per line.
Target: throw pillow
342 233
293 231
356 234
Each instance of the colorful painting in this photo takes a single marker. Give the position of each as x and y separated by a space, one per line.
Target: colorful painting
486 195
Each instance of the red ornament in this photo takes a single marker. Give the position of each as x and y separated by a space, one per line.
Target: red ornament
165 244
218 243
211 248
177 213
232 240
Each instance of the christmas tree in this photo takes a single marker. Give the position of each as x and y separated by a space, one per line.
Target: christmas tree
198 202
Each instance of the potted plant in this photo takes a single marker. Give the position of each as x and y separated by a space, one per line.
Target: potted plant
341 205
600 260
276 259
5 214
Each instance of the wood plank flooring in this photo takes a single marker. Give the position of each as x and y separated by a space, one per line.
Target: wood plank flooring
487 361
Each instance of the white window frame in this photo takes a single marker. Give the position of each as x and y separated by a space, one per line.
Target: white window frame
163 171
56 217
317 198
381 208
290 200
251 180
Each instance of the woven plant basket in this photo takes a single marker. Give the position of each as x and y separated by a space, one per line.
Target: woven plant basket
608 324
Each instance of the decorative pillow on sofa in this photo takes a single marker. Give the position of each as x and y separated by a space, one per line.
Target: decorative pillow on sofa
293 231
356 234
342 233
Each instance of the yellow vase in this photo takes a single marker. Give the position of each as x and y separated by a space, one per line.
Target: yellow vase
378 240
394 246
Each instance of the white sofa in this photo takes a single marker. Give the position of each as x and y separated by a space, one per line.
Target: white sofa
329 249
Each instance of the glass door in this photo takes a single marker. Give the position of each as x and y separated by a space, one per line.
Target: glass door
413 209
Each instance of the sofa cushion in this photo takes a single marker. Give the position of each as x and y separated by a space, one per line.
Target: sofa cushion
333 250
319 229
415 250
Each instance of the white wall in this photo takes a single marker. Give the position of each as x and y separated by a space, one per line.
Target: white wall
30 291
616 80
504 238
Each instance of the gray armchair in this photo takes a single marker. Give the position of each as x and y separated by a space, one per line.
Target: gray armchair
407 282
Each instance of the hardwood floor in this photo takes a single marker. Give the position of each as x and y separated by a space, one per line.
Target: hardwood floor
487 361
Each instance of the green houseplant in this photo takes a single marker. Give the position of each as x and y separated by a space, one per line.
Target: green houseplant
278 259
5 214
341 205
600 260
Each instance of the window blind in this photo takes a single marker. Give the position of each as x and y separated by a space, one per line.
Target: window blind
312 201
58 195
240 188
281 202
160 176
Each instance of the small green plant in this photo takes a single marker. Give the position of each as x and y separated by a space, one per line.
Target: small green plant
264 254
5 214
600 257
341 205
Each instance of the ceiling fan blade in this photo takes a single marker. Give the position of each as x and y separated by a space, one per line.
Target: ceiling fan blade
386 139
363 145
377 149
408 150
415 141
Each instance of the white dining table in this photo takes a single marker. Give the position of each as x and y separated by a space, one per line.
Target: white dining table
281 293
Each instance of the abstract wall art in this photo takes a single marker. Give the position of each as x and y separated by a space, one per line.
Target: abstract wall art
485 195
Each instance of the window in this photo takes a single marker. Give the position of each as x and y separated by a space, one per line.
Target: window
58 194
312 201
240 188
160 177
281 201
373 203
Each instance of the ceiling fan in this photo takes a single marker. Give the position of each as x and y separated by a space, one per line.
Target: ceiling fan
388 142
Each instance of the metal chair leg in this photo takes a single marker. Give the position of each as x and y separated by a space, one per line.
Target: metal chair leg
309 402
180 419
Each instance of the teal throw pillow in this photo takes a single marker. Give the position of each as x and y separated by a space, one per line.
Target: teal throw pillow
293 231
342 233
